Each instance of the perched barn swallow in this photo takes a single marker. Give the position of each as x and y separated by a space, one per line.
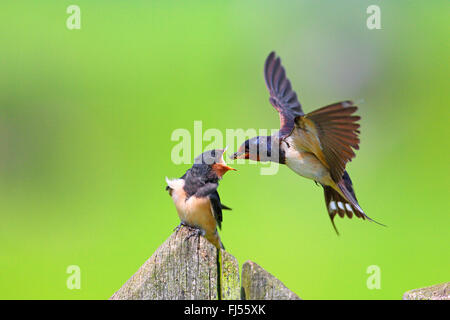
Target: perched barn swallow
196 198
316 145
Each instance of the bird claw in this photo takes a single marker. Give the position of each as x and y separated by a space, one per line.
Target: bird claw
177 228
197 232
194 230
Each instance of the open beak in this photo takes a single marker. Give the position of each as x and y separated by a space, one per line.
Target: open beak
237 155
223 164
221 167
229 168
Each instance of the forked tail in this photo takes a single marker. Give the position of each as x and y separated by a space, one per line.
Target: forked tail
344 204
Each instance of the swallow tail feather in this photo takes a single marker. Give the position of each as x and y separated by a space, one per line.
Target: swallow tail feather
343 203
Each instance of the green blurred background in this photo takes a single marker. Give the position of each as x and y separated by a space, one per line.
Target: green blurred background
86 118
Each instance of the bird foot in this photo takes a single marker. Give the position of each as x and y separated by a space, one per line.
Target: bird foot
195 232
182 224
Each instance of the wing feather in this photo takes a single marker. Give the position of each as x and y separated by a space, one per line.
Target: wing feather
336 129
216 208
282 97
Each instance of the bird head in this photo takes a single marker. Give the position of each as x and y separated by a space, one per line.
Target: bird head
257 148
214 160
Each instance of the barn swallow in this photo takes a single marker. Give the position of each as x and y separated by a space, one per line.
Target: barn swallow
316 145
196 198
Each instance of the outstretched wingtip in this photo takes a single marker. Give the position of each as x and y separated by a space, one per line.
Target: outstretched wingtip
269 60
348 103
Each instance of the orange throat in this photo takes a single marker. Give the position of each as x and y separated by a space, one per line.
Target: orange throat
220 169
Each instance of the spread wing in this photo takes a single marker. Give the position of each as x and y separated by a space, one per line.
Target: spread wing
282 97
336 130
210 190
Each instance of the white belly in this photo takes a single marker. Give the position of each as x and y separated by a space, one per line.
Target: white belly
305 163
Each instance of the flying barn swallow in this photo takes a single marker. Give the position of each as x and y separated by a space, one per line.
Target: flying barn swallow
316 145
196 198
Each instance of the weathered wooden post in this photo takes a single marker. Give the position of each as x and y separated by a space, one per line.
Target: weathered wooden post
258 284
193 269
184 268
436 292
